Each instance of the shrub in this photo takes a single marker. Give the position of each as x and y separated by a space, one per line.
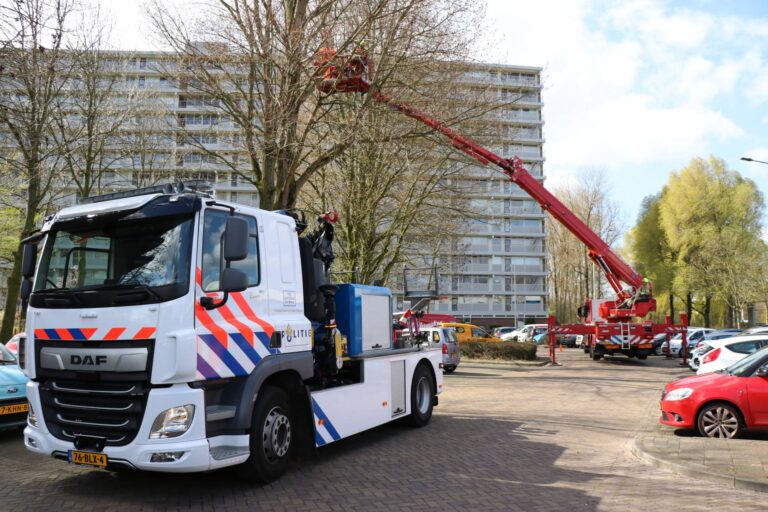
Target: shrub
506 350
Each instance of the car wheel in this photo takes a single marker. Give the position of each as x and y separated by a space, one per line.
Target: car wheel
449 369
272 438
658 350
719 420
594 354
422 396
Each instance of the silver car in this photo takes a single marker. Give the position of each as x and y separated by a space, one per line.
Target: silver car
445 338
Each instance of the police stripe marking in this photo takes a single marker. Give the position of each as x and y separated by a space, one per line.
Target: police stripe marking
326 422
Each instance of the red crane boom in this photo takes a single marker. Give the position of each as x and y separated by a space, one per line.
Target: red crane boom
604 319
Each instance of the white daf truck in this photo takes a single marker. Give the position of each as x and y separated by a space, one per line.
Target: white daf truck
169 331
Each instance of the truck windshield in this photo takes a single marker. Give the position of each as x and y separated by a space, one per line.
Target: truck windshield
152 254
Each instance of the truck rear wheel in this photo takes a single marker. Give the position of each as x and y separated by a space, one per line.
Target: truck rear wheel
272 440
594 354
422 396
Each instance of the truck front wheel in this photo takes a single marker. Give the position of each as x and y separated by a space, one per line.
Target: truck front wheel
422 396
272 440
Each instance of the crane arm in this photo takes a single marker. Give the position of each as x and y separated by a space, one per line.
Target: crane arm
635 300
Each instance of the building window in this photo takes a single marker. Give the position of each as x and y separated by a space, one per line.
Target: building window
142 82
233 179
233 197
142 63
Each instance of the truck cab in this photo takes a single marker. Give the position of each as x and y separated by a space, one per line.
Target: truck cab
170 331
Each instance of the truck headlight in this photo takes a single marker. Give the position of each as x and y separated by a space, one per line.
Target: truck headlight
678 394
31 417
172 422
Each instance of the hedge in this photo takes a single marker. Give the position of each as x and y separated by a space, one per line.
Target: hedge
506 350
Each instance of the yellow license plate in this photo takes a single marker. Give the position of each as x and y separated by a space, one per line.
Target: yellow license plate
13 409
88 458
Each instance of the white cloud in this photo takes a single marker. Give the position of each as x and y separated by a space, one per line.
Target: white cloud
627 83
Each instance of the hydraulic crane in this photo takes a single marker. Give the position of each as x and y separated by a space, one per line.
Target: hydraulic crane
609 325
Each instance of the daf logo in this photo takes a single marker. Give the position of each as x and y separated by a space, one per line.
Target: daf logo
12 390
87 360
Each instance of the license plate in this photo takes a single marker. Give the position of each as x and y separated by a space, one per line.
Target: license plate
87 458
453 354
13 409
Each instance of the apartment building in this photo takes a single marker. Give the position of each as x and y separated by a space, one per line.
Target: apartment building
494 271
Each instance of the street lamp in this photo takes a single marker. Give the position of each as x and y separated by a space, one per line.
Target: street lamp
747 159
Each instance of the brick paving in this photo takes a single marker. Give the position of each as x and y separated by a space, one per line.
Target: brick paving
503 438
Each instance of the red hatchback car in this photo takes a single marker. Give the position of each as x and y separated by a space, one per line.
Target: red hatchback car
720 404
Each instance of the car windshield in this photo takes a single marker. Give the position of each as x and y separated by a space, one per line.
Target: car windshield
6 357
145 252
744 367
450 335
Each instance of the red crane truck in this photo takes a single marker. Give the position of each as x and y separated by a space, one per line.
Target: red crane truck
610 325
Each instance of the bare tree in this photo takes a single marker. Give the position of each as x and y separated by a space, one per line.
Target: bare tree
572 275
255 63
92 109
33 71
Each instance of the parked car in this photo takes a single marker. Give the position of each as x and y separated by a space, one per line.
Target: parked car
568 340
723 353
542 338
445 338
499 332
529 332
13 392
658 344
720 404
693 336
702 347
511 335
13 343
469 332
763 329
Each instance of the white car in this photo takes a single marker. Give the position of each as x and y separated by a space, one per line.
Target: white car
675 345
702 347
525 333
499 332
723 353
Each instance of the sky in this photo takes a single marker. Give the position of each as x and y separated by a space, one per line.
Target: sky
635 88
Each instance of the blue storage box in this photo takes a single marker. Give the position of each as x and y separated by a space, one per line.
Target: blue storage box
364 316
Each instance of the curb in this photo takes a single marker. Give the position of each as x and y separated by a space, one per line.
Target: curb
693 471
519 362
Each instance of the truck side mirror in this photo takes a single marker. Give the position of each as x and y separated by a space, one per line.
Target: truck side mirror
26 289
28 260
233 280
236 239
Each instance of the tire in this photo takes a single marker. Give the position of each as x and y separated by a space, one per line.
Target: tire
422 396
642 357
272 440
719 420
658 350
449 369
585 347
593 354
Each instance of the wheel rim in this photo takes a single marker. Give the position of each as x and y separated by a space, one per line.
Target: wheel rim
276 437
423 395
719 422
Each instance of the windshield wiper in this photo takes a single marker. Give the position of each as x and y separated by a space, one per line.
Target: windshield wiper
135 288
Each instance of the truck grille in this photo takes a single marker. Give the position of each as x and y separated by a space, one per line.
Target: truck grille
108 411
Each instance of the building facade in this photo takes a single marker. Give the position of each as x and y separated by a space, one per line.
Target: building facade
494 272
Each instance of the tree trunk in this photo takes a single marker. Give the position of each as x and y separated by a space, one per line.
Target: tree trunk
13 284
707 309
689 305
672 306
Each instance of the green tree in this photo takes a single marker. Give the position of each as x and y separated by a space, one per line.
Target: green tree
651 251
712 218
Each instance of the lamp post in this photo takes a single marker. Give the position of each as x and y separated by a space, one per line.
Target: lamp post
747 159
